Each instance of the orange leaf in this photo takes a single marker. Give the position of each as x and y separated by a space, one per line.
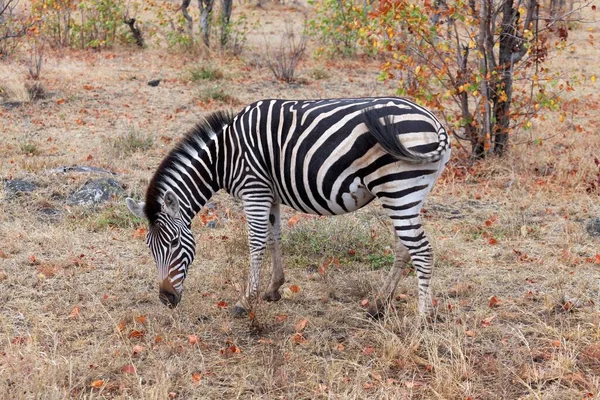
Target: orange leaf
121 326
158 339
281 318
300 325
128 369
294 288
139 233
364 303
222 304
597 259
88 87
136 334
494 302
298 338
172 395
89 157
74 313
487 321
196 377
492 241
368 350
137 349
97 383
293 221
193 339
470 333
141 319
60 101
340 347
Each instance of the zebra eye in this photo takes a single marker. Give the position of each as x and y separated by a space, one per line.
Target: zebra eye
174 242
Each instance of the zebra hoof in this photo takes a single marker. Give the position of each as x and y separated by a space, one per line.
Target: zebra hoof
239 312
272 296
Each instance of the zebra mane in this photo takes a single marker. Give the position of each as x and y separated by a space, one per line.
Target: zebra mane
204 131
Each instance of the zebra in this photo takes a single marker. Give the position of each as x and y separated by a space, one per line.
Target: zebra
325 157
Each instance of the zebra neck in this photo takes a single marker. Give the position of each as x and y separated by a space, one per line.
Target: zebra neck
190 172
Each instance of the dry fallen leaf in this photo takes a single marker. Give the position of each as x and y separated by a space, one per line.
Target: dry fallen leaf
364 302
298 338
294 288
222 304
196 376
368 350
128 369
74 313
300 325
136 334
137 349
293 221
97 383
193 339
141 319
470 333
494 302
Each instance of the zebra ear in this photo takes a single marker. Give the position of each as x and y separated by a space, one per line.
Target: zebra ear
136 208
171 204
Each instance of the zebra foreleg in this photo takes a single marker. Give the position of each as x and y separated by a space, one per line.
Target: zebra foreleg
257 215
277 277
377 309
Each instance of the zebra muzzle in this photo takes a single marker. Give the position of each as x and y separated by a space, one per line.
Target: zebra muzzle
168 295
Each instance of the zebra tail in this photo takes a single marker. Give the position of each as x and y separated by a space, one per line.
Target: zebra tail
388 133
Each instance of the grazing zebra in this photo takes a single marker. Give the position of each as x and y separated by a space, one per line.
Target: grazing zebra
324 157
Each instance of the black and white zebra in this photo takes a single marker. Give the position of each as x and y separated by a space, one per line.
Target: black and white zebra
325 157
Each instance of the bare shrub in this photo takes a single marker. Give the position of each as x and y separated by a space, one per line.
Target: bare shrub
36 59
284 61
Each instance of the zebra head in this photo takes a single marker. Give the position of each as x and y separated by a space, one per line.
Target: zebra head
172 245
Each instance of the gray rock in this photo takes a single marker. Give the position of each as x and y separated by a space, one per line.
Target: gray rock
50 214
593 226
82 168
95 192
154 82
18 186
212 224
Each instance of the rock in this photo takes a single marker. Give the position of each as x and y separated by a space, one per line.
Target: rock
18 187
593 226
82 168
9 105
154 82
95 192
212 224
50 214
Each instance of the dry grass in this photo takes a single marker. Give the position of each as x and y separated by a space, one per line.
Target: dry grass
79 299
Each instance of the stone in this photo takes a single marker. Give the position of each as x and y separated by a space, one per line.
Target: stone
593 227
154 82
82 168
96 192
18 186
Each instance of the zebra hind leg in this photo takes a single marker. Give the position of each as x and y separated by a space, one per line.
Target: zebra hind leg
385 295
409 232
277 277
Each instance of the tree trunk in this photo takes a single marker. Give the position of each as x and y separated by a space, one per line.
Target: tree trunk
190 22
226 6
205 7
